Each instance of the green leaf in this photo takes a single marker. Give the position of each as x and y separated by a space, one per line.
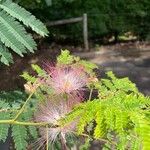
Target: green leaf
33 131
4 127
65 57
142 129
7 37
17 30
86 145
88 65
100 127
108 84
4 116
48 2
19 134
122 84
109 114
6 56
28 77
111 75
38 70
27 116
24 16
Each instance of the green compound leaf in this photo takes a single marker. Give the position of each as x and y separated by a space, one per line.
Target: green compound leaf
17 30
6 56
38 70
4 116
65 57
24 16
28 77
19 134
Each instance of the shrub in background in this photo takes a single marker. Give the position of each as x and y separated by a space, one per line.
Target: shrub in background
106 18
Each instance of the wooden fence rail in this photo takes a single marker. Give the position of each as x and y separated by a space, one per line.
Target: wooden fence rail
75 20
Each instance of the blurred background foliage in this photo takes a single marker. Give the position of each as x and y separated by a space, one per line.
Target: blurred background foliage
106 18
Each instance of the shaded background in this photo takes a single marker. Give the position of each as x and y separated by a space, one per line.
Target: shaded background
118 33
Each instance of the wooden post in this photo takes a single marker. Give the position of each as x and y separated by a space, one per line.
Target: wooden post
64 21
75 20
85 32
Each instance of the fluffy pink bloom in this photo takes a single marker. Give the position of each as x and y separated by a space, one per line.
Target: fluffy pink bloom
67 79
52 111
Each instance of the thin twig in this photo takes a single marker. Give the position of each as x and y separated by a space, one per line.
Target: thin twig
47 137
63 143
90 96
22 108
103 140
24 123
27 100
8 110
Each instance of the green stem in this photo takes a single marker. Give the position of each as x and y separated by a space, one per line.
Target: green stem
88 136
24 123
65 96
90 96
23 107
8 110
47 137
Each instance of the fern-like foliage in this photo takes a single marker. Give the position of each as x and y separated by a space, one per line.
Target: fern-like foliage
4 115
118 115
19 134
13 29
10 102
6 57
13 33
119 110
24 16
65 57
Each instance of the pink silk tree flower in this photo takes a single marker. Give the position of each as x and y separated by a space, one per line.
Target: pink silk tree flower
67 79
52 111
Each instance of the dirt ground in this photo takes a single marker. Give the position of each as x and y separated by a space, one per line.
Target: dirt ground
125 59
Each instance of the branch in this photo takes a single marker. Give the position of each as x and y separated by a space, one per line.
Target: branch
21 110
47 137
23 107
26 123
90 96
